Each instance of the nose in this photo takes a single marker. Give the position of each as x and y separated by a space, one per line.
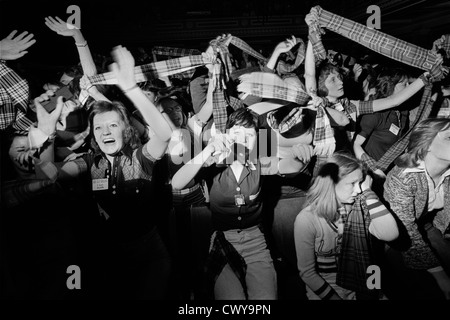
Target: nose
106 131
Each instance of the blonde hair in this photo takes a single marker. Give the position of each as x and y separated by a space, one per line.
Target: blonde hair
321 196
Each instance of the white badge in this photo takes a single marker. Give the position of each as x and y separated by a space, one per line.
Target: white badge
394 129
99 184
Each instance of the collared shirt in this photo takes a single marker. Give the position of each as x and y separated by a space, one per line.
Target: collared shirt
235 204
124 190
435 192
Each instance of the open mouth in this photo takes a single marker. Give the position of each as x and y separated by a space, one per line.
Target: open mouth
108 141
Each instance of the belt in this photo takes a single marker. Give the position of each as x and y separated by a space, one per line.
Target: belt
186 191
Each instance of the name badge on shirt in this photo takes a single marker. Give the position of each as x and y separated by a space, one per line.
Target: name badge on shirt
394 129
239 200
99 184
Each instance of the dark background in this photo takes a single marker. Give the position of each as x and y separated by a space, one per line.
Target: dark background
192 23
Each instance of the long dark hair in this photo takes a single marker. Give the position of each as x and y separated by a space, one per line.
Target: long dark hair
131 137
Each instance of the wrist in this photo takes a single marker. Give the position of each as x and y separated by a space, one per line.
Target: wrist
129 88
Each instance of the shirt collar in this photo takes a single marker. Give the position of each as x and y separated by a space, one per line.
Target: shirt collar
126 151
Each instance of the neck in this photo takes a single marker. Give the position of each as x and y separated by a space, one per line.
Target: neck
110 158
332 99
436 167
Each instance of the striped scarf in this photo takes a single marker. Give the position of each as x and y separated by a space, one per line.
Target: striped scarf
382 43
269 85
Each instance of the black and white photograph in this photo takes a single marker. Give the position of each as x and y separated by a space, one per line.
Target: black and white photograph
225 156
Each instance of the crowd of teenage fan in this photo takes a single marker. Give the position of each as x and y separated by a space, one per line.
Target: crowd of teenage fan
98 182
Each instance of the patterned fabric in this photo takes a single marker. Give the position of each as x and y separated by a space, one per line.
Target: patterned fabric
222 253
14 95
399 147
407 195
154 70
174 52
268 85
284 67
323 134
355 255
446 45
294 117
382 43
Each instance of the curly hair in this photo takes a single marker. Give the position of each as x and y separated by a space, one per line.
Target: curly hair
130 135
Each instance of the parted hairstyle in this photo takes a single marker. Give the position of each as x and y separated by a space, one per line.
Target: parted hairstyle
130 134
321 195
325 69
420 141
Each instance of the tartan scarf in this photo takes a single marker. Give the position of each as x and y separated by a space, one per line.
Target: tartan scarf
269 85
380 42
391 47
400 146
222 253
355 254
446 45
176 52
14 95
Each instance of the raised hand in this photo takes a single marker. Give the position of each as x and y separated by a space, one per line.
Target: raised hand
123 68
14 48
287 45
303 152
47 121
61 27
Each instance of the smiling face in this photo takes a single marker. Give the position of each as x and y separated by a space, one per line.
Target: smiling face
349 187
334 85
109 132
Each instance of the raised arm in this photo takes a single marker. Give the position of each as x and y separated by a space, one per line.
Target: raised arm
187 172
123 69
401 96
44 136
282 47
87 62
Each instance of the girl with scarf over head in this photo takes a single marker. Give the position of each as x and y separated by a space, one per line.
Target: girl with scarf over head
320 230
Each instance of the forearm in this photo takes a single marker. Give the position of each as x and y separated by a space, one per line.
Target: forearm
187 172
382 223
150 113
399 97
205 113
310 70
87 62
273 60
